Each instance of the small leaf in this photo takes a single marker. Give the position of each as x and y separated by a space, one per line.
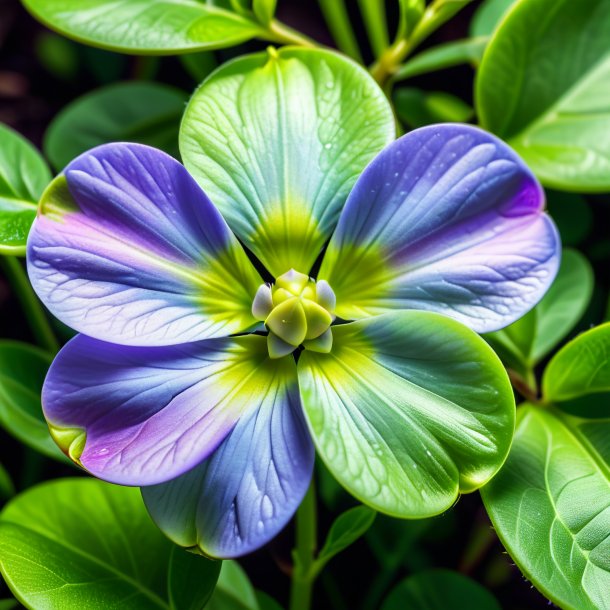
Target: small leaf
417 108
532 337
191 579
264 10
439 590
234 591
550 506
142 112
581 367
345 530
468 51
23 177
556 119
22 371
82 543
163 27
7 489
488 15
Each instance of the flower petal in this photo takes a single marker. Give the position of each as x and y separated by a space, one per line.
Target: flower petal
278 139
127 248
245 493
148 414
447 219
408 410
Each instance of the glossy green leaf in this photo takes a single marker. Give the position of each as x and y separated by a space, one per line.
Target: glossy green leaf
441 57
234 590
82 543
345 530
23 177
141 26
439 590
23 368
409 410
581 367
129 112
544 86
191 579
7 489
264 10
533 336
488 16
550 505
417 108
277 140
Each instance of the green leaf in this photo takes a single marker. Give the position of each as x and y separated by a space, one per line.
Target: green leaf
23 177
409 410
264 10
544 87
234 591
8 604
417 108
488 15
191 579
550 505
133 112
23 368
439 590
345 530
7 489
581 367
532 337
448 55
277 141
82 543
162 27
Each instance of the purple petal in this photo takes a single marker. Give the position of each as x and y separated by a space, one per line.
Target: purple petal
447 218
151 413
134 252
245 493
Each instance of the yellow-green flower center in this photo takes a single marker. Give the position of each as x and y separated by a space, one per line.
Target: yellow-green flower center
297 311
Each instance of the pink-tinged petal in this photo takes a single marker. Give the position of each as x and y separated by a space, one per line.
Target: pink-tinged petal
245 493
449 219
145 415
127 248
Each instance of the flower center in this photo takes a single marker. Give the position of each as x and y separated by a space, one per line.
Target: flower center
297 311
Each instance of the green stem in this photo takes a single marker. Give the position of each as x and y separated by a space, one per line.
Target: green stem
374 17
337 20
283 34
304 552
32 307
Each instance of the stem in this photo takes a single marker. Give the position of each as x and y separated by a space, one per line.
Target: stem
337 20
32 307
306 542
374 17
283 34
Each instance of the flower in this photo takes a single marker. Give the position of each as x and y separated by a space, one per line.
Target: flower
184 380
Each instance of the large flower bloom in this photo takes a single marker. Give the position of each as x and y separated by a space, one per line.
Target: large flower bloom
184 380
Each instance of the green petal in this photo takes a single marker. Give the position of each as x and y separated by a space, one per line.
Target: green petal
550 505
408 410
277 140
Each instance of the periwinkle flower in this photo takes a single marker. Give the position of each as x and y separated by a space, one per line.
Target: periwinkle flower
202 383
